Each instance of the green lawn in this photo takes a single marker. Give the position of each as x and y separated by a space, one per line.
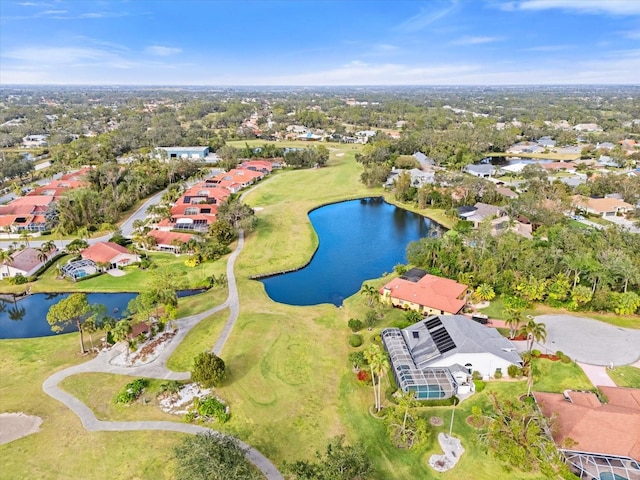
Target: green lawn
63 448
625 376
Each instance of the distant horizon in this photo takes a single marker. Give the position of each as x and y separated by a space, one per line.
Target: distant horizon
477 85
320 42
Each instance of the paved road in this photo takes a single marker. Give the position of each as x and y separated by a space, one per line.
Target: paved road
156 368
590 341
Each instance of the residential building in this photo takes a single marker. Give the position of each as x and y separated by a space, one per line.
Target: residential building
435 358
598 438
425 293
604 207
108 255
423 160
481 170
35 141
546 142
587 127
25 262
480 212
31 213
192 153
169 241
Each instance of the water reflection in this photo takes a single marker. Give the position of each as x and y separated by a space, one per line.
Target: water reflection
358 240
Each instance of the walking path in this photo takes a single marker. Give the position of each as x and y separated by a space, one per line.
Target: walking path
157 369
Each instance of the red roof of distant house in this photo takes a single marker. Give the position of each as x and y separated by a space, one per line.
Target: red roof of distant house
259 164
430 291
33 200
76 175
212 191
103 252
608 428
167 238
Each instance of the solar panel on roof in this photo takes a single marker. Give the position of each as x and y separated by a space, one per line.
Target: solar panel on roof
439 334
432 323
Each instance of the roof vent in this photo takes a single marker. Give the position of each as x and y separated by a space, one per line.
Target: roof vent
416 334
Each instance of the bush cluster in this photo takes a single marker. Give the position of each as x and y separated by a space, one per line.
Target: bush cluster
355 340
132 391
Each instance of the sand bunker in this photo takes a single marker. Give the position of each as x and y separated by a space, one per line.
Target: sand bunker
452 451
17 425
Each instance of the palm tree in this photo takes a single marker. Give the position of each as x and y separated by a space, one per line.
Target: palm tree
378 363
42 254
120 332
370 292
485 292
513 320
6 259
24 235
534 332
49 246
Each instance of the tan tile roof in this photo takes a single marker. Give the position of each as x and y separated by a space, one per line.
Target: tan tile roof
611 428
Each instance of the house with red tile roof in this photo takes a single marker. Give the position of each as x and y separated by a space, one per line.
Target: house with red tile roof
77 175
31 213
169 241
103 253
599 438
430 295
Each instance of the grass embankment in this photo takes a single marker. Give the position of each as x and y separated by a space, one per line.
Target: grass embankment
626 376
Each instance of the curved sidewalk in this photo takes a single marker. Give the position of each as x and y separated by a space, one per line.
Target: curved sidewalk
157 369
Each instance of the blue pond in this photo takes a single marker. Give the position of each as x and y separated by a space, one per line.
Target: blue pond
358 240
27 317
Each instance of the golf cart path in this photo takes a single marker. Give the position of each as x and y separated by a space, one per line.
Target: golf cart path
157 369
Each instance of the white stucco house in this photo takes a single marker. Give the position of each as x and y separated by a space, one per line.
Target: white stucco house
435 358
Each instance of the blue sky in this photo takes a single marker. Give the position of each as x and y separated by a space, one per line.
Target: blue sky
305 42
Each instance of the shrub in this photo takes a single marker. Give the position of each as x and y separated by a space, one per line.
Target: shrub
497 374
565 359
364 377
355 340
377 338
19 279
479 384
208 370
476 375
210 408
514 371
132 391
355 325
559 354
357 359
535 353
440 403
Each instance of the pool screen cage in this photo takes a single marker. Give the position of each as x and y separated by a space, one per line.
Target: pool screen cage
602 467
79 268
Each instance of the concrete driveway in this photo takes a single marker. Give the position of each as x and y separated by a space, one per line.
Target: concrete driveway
590 341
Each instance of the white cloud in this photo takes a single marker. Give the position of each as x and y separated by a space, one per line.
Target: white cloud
162 51
467 40
385 47
549 48
611 7
425 18
631 34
